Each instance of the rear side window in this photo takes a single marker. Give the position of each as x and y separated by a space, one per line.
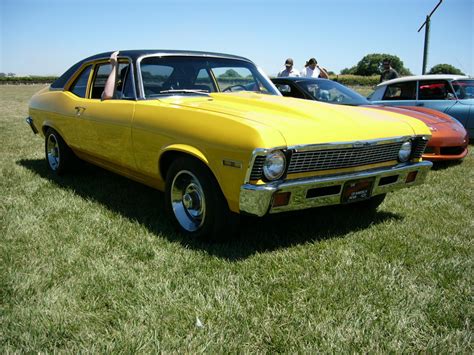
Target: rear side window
79 86
401 91
435 90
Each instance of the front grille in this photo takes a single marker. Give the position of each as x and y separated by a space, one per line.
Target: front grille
451 150
257 169
341 157
418 147
307 161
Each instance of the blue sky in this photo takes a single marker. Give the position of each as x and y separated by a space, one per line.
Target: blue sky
46 37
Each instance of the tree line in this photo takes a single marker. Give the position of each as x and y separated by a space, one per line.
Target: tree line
371 64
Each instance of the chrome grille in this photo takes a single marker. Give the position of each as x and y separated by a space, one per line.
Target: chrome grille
419 146
306 161
257 169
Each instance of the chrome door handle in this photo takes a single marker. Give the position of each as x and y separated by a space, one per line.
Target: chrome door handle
79 110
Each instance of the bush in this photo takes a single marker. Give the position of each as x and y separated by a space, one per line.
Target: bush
356 80
27 79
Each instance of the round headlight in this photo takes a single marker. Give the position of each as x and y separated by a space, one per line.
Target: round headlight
274 165
405 152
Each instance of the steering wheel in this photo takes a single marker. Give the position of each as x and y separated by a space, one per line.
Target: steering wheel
230 88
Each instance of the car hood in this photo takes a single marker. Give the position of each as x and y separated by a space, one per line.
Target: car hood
304 121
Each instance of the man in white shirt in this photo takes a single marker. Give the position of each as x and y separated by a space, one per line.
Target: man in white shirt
288 71
313 70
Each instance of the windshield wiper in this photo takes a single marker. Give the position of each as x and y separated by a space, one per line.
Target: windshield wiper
185 91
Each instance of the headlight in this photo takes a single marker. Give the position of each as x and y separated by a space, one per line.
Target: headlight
274 165
405 152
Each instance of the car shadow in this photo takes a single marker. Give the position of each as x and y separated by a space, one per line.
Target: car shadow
145 205
442 165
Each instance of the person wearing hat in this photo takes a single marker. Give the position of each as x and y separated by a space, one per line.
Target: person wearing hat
313 70
289 70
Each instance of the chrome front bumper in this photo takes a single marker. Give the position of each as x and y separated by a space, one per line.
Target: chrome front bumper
258 199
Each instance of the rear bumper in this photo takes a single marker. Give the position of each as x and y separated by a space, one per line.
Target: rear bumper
258 200
29 120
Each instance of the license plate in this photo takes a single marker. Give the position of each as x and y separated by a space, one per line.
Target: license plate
357 190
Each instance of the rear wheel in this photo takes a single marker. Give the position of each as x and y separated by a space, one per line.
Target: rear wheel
58 155
194 201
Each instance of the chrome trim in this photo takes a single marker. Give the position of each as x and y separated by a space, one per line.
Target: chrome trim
29 120
256 152
353 144
257 199
323 146
232 163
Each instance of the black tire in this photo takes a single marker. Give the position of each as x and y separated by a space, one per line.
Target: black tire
59 156
195 203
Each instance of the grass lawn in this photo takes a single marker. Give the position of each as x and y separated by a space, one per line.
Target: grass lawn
90 263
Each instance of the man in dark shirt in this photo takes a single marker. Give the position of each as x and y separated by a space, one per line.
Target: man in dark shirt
388 72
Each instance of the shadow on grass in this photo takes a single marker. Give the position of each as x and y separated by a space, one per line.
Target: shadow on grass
442 165
145 205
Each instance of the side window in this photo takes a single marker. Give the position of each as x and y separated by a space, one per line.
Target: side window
435 90
79 86
123 86
401 91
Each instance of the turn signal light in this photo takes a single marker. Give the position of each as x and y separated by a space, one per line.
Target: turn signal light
411 176
281 199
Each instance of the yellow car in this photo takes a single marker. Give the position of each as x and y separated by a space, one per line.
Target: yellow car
213 133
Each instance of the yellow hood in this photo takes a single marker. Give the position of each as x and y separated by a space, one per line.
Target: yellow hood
307 122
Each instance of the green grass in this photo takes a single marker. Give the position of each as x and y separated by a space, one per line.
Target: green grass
90 263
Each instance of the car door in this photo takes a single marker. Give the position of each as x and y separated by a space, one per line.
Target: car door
436 94
68 119
106 124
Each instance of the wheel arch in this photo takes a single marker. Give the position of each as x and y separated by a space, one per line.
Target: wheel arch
174 151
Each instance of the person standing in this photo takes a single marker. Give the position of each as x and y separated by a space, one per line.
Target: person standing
313 70
388 72
289 70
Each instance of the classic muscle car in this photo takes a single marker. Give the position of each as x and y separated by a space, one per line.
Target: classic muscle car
449 139
215 135
451 94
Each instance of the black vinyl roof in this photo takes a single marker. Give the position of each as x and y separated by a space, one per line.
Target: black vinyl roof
134 54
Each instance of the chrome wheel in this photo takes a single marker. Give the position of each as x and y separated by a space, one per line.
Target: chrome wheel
188 201
52 150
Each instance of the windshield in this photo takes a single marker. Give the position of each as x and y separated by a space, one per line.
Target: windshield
332 92
464 89
200 75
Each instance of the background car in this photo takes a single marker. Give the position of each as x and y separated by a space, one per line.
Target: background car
449 139
451 94
186 123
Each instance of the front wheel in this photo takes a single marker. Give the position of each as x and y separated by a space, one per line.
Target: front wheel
194 201
58 155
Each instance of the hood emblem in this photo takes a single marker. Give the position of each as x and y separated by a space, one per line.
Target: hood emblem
360 144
